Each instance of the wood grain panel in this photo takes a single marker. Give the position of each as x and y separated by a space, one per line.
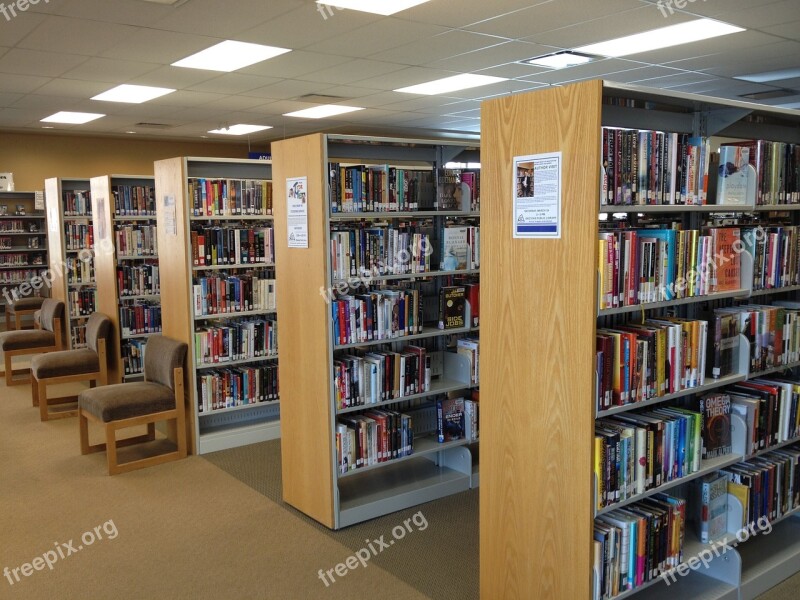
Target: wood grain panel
176 274
306 420
537 353
55 239
105 268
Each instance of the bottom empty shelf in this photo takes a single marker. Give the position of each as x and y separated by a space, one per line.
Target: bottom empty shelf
768 559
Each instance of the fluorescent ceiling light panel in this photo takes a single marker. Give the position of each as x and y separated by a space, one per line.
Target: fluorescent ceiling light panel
325 110
665 37
230 56
240 129
451 84
378 7
134 94
559 60
73 118
771 75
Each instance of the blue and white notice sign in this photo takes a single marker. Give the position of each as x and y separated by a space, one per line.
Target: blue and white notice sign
537 196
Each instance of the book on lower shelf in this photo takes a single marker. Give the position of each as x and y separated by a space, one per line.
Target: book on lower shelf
375 436
709 502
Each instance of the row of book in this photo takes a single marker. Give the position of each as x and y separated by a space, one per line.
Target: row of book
773 333
77 203
78 336
776 255
132 354
82 302
637 362
231 245
636 452
15 226
219 294
79 271
654 167
242 386
236 340
138 279
78 236
372 437
638 266
230 197
16 260
460 247
469 347
134 200
457 419
7 243
637 544
379 250
17 275
362 188
139 318
374 377
136 240
383 314
777 170
769 408
458 189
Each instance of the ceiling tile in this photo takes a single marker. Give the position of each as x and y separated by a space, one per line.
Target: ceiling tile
353 71
174 77
72 88
83 37
403 78
229 103
490 57
109 70
160 47
35 62
457 13
221 19
233 83
22 84
287 89
7 99
22 25
294 64
441 46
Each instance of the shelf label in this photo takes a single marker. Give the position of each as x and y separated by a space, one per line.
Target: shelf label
537 196
170 216
38 200
297 211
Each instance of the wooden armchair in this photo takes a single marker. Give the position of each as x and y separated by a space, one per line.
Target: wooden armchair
160 397
20 308
87 364
47 338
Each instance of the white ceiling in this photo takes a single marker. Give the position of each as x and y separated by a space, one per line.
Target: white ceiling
59 53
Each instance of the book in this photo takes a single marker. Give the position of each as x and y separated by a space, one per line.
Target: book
736 183
452 307
711 506
716 428
450 419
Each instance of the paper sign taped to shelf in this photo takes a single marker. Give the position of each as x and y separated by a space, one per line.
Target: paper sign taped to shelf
297 212
537 196
170 216
102 233
38 200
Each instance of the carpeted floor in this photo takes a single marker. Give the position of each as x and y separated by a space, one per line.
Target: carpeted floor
210 527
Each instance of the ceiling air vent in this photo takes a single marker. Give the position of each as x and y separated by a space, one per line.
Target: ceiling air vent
154 125
769 95
321 99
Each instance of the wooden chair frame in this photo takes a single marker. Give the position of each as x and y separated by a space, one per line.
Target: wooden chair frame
178 414
9 371
39 387
18 315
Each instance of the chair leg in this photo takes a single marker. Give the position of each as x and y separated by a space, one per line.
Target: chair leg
8 319
18 318
34 391
92 383
111 449
44 415
151 432
9 371
83 425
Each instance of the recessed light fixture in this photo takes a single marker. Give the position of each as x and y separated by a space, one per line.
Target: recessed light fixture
130 132
73 118
560 60
451 84
240 129
770 75
47 127
133 94
378 7
325 110
230 56
665 37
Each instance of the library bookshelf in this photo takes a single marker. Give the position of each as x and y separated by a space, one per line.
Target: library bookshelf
313 480
235 424
70 242
23 244
537 487
125 204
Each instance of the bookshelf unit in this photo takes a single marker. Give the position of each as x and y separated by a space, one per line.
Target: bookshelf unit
311 352
121 213
239 424
69 228
537 488
23 243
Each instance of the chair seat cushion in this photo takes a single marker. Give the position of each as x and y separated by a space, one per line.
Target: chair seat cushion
27 304
65 363
126 400
22 340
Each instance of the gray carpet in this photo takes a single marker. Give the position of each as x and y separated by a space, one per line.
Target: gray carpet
440 561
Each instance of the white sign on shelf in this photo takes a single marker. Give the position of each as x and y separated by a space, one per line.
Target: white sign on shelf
537 196
38 200
170 216
297 212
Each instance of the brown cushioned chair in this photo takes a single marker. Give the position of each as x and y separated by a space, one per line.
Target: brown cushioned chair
160 397
20 308
87 364
48 337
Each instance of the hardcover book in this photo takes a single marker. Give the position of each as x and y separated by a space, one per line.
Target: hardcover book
453 307
450 419
716 431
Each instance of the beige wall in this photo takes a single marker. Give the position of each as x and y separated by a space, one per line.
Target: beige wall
34 157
